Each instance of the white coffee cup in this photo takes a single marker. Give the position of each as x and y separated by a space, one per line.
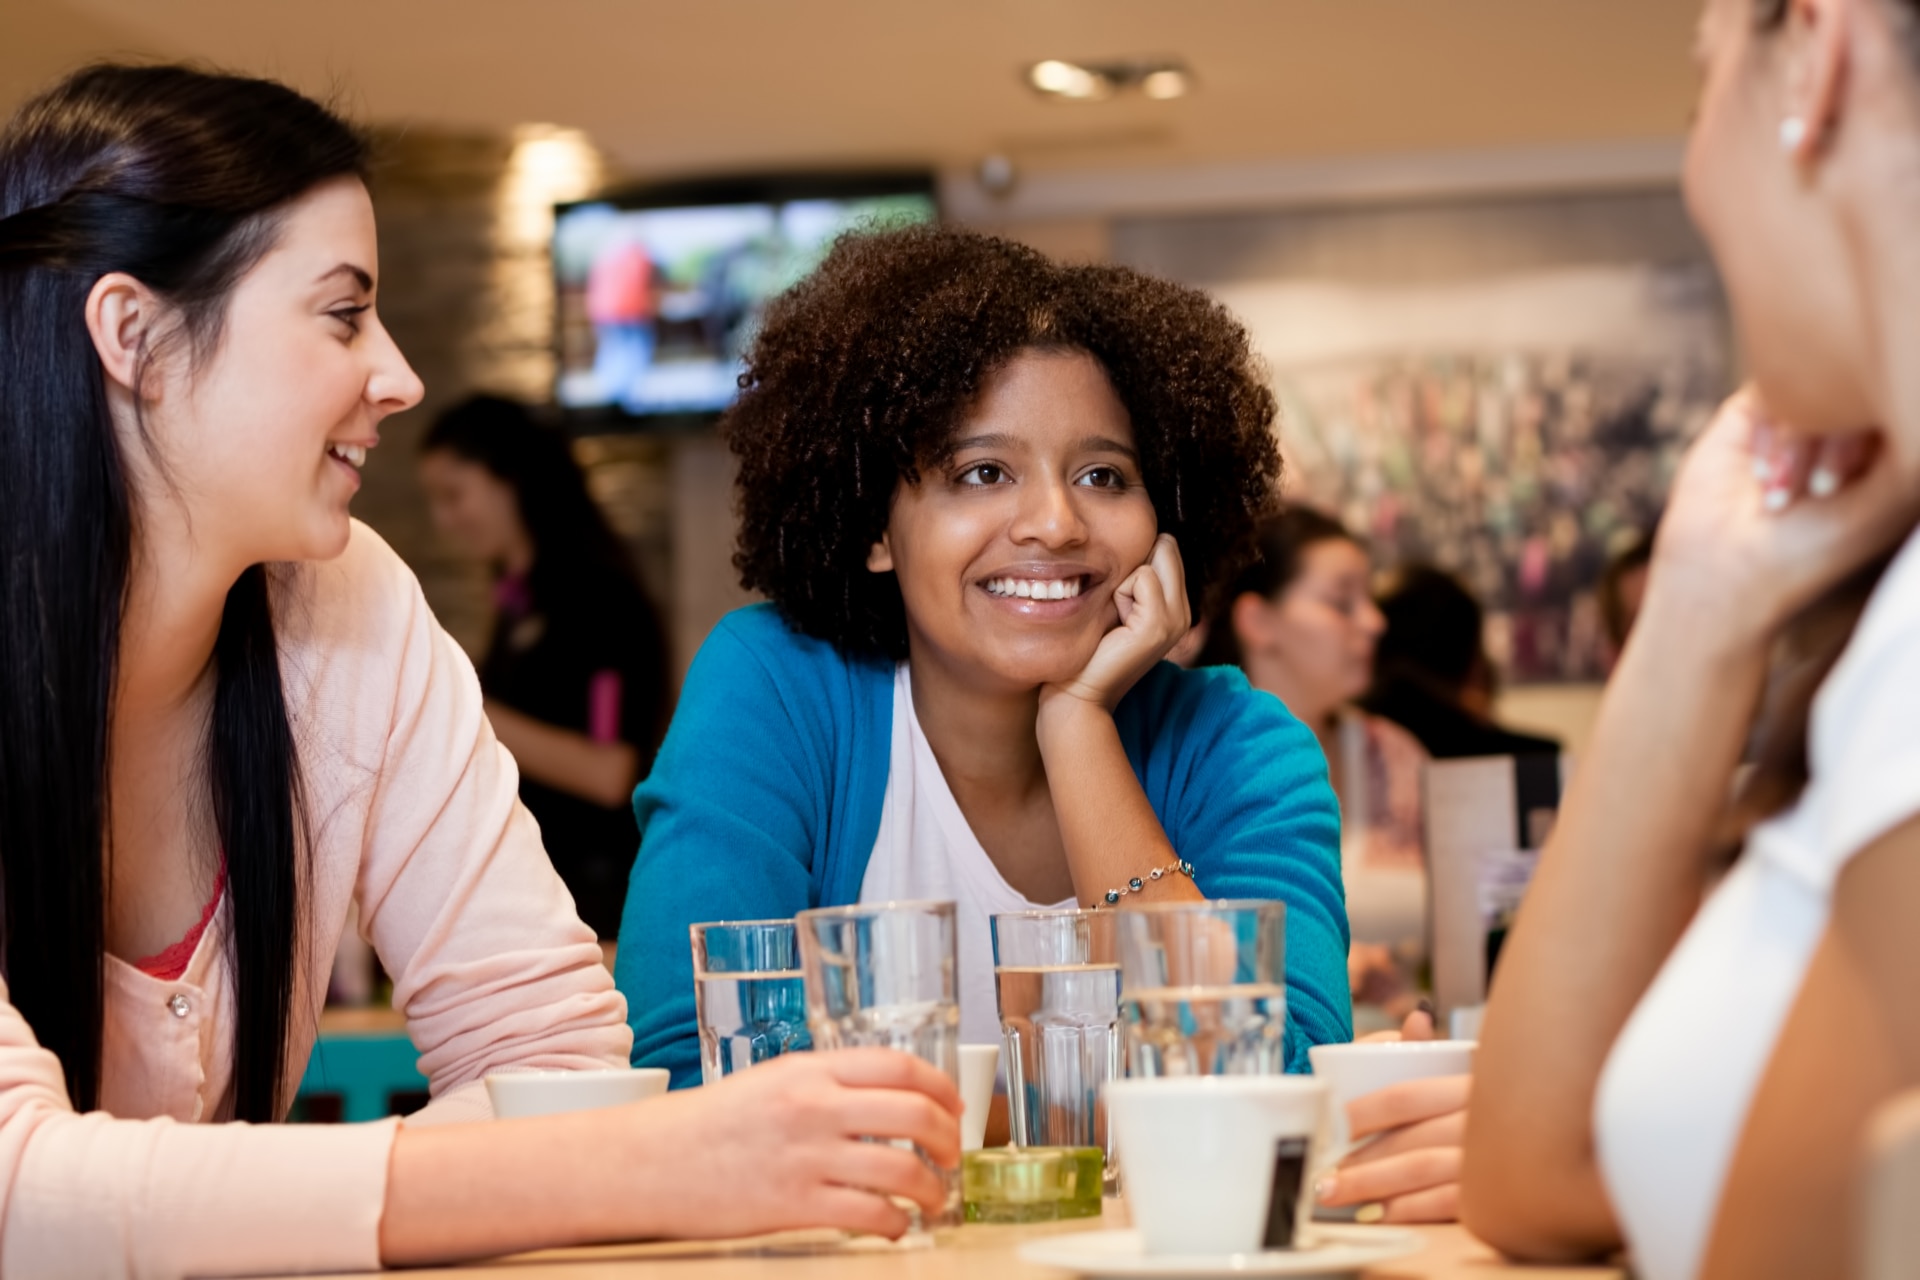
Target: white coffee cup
979 1063
1199 1153
1356 1070
517 1094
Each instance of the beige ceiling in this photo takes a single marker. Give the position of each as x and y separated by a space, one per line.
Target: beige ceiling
703 84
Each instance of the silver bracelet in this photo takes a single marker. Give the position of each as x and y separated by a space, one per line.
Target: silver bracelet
1180 866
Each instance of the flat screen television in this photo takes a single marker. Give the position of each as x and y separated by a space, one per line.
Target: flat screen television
659 288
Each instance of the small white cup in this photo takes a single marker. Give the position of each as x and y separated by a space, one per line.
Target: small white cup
1356 1070
1199 1155
517 1094
978 1065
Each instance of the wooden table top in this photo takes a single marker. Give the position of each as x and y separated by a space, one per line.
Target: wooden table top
967 1253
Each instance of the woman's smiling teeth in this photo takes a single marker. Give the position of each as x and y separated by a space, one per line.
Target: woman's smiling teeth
354 455
1034 588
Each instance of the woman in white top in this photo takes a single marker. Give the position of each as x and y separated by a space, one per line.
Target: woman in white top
1682 1066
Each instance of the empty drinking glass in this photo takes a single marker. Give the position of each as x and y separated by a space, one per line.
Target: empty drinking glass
886 975
1203 988
1057 974
748 996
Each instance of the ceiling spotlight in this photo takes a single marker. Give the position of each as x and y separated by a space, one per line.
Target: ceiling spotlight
1059 79
1157 78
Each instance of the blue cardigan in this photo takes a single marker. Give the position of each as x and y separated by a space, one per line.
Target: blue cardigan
765 800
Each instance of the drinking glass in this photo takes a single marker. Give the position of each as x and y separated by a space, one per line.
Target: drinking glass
886 975
1057 975
1203 988
748 995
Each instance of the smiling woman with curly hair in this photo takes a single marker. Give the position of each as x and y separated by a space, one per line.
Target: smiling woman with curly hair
985 494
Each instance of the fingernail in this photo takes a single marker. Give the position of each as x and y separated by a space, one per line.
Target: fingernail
1370 1212
1425 1006
1323 1188
1774 501
1824 482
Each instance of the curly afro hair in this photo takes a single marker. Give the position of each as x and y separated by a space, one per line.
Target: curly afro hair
860 374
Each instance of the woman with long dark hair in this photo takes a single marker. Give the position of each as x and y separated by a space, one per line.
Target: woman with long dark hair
1682 1055
226 714
575 672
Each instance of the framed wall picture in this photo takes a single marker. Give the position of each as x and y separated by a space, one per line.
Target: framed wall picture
1500 387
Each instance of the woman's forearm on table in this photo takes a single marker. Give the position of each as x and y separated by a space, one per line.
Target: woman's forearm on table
1620 878
1107 824
480 1190
602 772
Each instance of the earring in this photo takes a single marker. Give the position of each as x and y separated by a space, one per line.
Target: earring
1793 134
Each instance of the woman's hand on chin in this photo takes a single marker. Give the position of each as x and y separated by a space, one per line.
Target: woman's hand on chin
1763 520
1153 616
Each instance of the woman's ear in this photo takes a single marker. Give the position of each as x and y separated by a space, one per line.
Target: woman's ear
880 556
1248 617
121 313
1817 50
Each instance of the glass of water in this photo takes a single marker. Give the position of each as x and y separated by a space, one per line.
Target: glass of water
749 998
1203 988
886 975
1057 974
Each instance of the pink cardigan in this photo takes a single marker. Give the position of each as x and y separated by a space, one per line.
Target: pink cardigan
415 816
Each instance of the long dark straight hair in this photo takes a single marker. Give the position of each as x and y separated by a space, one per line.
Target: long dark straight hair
177 178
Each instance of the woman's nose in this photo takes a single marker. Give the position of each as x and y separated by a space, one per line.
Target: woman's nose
1048 515
393 386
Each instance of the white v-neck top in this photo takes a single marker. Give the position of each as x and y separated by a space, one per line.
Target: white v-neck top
1676 1090
926 851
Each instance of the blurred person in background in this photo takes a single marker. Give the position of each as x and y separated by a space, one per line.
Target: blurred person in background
1703 1004
1431 672
1301 622
575 674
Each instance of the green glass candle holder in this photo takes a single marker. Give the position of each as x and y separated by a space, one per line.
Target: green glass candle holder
1031 1184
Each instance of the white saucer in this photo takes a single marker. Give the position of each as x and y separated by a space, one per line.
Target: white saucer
1335 1251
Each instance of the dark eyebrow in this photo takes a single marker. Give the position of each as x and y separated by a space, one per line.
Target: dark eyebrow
1107 444
992 440
348 269
1088 444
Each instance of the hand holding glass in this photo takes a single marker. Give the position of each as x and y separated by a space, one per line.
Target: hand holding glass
885 976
